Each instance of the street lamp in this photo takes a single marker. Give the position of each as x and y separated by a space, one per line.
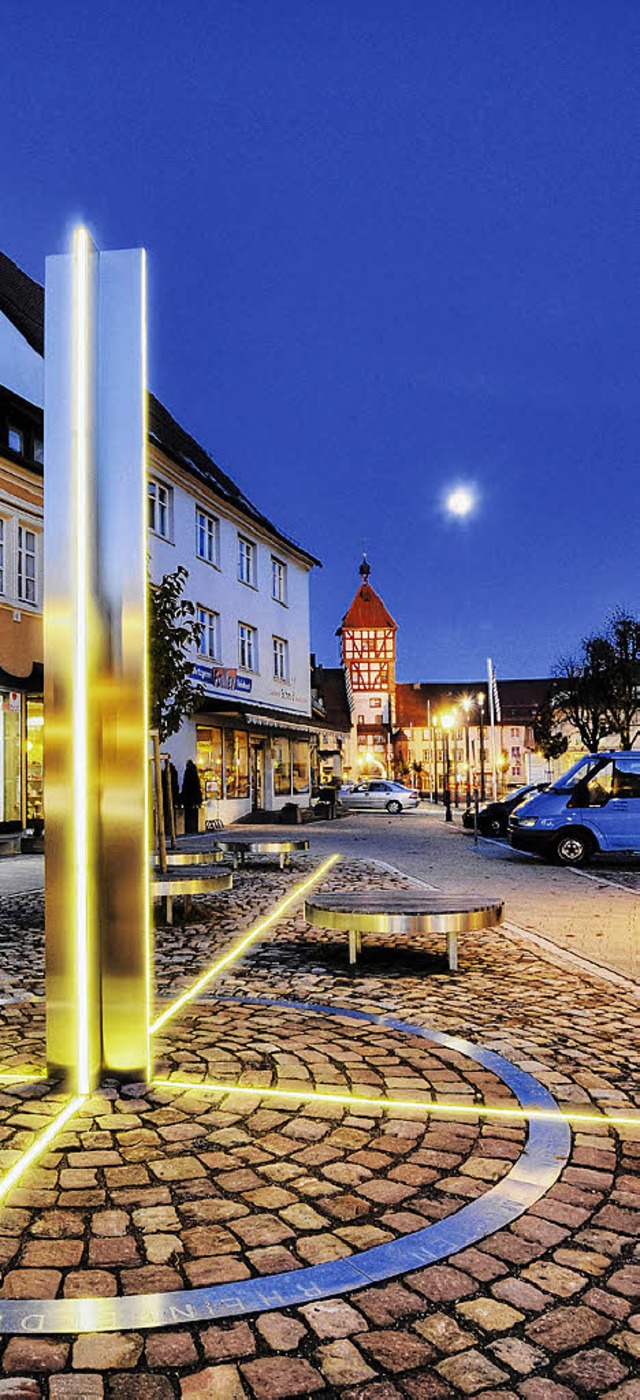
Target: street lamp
447 722
466 705
434 723
481 698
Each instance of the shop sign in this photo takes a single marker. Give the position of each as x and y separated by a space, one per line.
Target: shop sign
11 702
221 678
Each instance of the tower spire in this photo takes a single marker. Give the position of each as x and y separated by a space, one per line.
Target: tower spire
365 568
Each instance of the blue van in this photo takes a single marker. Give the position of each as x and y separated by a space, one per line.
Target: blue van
595 807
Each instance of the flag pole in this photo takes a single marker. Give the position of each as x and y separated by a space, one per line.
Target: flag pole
492 722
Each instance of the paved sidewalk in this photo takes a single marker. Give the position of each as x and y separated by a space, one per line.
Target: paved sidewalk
161 1190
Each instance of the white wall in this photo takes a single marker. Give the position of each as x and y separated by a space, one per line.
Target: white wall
21 368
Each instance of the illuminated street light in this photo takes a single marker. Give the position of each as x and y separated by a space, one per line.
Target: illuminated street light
447 721
481 698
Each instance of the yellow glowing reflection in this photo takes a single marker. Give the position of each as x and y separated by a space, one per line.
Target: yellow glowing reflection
244 943
476 1110
39 1146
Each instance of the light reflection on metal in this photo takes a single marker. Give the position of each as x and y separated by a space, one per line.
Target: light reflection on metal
241 946
96 687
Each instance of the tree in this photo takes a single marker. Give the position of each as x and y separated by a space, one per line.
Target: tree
548 739
622 648
173 631
580 692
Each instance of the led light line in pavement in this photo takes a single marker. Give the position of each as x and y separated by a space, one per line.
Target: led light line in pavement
39 1146
427 1106
240 947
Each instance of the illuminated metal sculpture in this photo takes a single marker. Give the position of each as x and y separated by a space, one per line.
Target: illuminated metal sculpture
96 696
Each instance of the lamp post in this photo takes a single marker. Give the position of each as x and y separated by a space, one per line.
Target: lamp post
447 722
466 705
434 737
481 698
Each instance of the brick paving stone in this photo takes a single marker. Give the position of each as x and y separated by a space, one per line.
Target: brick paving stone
441 1283
554 1278
202 1273
224 1343
521 1356
426 1386
629 1390
106 1351
540 1389
342 1364
594 1370
333 1318
396 1351
139 1388
118 1250
277 1377
609 1303
565 1328
490 1315
522 1295
444 1333
376 1390
42 1254
627 1342
626 1281
281 1333
84 1387
151 1278
21 1388
90 1283
214 1383
481 1266
388 1304
31 1283
584 1260
34 1354
166 1350
470 1372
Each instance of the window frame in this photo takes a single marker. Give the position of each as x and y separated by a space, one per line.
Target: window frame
23 529
155 484
250 643
252 580
282 644
214 535
283 597
19 433
204 616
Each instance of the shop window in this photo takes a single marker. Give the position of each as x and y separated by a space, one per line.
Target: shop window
300 765
207 537
10 757
26 565
282 767
209 761
35 738
236 754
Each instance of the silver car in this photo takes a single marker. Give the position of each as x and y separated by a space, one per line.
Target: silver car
379 796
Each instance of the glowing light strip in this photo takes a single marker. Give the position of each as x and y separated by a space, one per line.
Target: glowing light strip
14 1077
477 1110
239 948
17 1171
80 688
148 951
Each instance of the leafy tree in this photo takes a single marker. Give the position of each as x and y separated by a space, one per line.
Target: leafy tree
551 742
580 692
622 647
173 630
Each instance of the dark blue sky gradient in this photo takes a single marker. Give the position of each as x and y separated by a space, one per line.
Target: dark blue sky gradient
393 245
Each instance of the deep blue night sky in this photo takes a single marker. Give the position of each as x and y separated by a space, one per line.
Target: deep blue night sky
393 246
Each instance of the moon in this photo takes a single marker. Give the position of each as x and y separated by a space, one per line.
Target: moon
460 502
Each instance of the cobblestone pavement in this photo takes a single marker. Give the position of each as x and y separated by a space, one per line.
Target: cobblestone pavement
160 1189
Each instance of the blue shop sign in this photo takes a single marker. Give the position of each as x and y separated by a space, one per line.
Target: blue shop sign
221 678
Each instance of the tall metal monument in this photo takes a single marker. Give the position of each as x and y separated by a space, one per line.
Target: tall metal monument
98 955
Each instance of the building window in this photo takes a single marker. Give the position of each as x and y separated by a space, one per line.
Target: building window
160 509
209 644
38 450
2 524
26 565
247 562
209 761
207 527
300 765
281 767
247 647
278 580
16 440
236 757
280 659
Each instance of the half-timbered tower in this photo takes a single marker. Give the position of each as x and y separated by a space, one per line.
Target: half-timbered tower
368 651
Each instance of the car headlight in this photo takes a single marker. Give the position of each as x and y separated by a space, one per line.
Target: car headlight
527 821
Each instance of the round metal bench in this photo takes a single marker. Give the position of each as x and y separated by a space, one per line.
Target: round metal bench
239 847
403 911
187 881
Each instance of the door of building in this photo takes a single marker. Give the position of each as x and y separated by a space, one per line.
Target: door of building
257 776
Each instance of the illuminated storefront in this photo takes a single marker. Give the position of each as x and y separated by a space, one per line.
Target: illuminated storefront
255 767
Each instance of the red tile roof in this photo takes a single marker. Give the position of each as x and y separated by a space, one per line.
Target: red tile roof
367 610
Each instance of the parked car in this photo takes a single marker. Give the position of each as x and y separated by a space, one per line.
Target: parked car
379 796
493 817
595 807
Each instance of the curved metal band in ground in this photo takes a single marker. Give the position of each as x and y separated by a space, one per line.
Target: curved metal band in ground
531 1176
460 921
